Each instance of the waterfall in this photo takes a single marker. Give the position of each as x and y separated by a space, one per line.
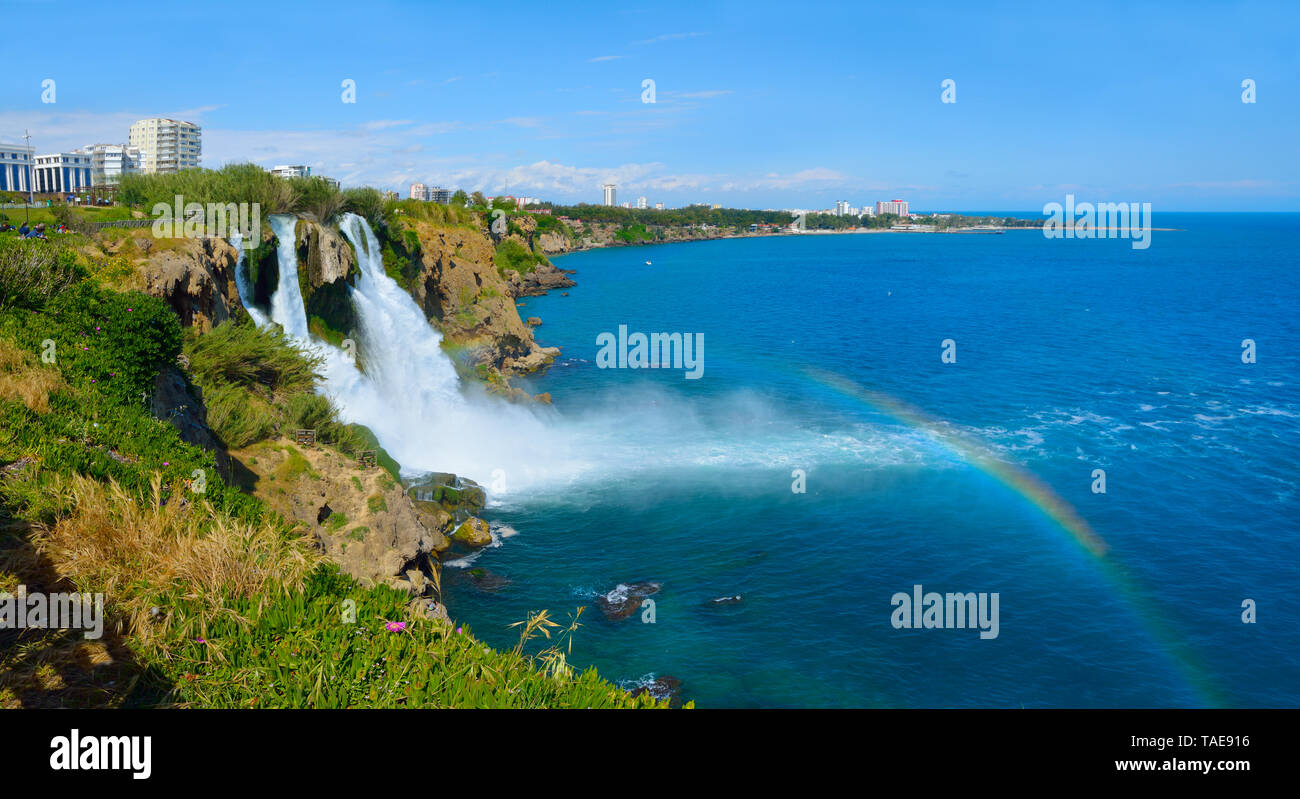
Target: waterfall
286 303
241 280
410 396
416 404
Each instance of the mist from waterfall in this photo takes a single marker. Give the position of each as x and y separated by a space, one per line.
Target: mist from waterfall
409 394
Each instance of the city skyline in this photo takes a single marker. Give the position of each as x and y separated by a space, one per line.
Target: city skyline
1096 109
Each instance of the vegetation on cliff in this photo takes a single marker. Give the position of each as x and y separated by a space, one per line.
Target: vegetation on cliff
211 598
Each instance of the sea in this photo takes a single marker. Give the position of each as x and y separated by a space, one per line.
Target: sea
1102 436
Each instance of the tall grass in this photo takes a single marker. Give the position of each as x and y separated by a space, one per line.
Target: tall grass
235 183
33 271
256 383
112 538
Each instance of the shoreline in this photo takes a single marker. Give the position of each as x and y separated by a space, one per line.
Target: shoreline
850 232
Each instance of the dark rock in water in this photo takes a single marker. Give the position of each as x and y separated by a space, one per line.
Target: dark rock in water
727 600
485 580
625 599
661 688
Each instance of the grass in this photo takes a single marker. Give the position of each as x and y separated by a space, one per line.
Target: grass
23 378
377 504
212 600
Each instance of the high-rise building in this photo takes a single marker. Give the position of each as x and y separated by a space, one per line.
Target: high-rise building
611 194
167 145
842 208
642 202
109 162
61 173
419 191
291 171
896 207
437 194
15 167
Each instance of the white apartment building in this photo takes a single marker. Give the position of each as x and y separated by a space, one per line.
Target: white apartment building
287 171
659 206
897 207
167 145
109 162
642 202
611 194
61 173
15 166
419 191
437 194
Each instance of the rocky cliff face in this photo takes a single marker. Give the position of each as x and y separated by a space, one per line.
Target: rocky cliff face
197 278
460 289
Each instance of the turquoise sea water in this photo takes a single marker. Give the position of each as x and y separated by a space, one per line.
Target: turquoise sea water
1072 355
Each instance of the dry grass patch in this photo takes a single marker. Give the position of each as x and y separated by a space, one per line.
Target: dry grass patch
137 550
24 378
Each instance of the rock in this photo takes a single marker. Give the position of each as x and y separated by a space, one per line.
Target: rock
534 321
172 402
197 279
473 532
544 397
625 599
661 688
485 580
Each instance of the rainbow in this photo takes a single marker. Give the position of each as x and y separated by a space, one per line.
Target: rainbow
1054 507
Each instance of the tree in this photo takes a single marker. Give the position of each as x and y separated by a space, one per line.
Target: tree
459 198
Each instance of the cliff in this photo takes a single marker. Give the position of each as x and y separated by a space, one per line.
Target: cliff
460 289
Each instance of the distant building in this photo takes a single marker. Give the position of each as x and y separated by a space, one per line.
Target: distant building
437 194
109 162
419 191
611 194
294 171
390 195
15 167
167 145
61 173
332 181
659 206
642 202
896 207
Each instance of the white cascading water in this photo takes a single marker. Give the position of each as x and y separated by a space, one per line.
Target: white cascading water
419 412
241 280
286 303
411 397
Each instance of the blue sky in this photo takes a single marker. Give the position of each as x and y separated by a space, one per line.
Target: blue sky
757 104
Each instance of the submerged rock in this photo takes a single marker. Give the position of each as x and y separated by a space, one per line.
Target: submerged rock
625 599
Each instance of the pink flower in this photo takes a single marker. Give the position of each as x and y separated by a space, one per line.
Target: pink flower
165 463
200 640
395 626
457 631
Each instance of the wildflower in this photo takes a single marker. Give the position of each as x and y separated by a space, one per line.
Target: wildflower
200 640
457 631
395 626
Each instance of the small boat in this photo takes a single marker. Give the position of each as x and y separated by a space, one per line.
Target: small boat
647 263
